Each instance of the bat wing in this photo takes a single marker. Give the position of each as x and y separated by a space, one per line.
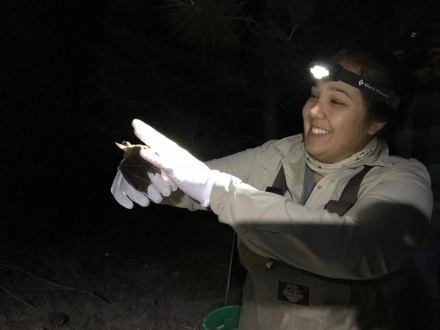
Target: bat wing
135 170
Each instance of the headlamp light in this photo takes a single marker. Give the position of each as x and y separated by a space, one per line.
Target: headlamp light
332 71
319 71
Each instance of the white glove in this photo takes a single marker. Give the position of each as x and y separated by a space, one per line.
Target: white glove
125 194
192 176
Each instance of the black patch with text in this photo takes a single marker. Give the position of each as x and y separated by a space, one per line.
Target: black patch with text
294 293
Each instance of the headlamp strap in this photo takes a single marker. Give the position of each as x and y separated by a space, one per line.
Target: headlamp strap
378 92
339 55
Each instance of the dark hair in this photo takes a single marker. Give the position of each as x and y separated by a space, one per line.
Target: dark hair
380 67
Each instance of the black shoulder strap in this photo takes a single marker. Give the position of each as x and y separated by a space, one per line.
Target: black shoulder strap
349 194
279 185
348 197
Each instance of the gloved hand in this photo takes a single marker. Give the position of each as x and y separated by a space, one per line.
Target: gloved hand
192 176
125 194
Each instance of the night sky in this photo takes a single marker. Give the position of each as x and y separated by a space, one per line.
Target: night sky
75 73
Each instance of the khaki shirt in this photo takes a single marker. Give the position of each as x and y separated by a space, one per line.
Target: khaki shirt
325 271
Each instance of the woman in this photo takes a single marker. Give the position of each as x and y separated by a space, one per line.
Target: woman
312 265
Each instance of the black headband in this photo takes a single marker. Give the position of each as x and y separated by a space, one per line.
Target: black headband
331 70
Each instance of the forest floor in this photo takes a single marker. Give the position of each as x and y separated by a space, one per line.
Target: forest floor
126 279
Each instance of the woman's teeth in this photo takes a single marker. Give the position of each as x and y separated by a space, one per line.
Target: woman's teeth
319 131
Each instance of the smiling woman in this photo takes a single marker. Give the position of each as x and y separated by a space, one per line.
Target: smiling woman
336 124
342 116
332 247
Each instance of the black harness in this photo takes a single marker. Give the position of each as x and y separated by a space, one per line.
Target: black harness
346 201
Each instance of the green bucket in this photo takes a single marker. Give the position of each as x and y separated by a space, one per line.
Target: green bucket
224 318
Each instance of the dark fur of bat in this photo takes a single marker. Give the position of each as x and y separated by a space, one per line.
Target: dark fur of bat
134 168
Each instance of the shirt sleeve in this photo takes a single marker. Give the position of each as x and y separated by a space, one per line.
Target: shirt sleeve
238 165
376 236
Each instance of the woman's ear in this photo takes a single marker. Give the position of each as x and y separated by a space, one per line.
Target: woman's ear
375 126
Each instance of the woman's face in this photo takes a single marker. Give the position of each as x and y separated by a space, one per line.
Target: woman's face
335 121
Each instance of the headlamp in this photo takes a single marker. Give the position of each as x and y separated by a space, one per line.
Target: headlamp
332 71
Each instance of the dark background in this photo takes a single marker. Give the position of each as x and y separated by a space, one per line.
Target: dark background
74 74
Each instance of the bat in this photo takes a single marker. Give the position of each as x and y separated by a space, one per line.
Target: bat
134 168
